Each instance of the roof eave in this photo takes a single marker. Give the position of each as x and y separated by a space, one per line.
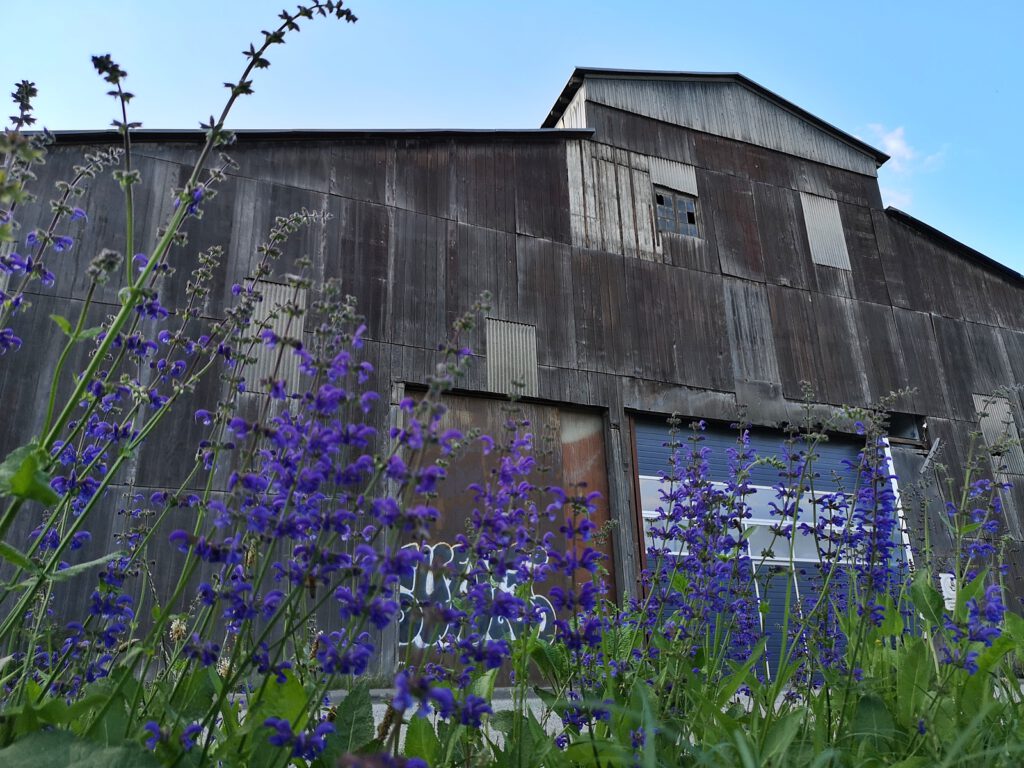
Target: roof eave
356 134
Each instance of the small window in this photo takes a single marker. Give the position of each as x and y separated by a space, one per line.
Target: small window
676 212
907 428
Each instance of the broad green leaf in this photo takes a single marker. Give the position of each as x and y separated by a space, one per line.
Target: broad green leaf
781 734
970 591
927 599
60 749
914 672
288 701
117 690
421 741
892 622
873 720
63 323
503 721
194 695
551 660
21 475
537 745
1013 627
353 724
599 752
483 686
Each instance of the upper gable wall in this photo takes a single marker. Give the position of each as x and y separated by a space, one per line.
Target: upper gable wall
729 110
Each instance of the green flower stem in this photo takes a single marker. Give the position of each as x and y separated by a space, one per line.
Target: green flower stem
64 355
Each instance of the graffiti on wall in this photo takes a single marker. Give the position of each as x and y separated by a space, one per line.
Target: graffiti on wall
433 583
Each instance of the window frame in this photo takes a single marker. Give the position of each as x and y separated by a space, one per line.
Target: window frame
683 227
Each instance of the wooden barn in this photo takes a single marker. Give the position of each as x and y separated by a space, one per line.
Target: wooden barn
665 243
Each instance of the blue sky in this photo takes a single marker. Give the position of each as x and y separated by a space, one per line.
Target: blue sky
935 84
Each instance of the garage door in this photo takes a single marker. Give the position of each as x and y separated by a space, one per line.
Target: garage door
835 469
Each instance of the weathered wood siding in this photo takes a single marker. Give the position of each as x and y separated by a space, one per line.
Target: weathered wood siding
561 231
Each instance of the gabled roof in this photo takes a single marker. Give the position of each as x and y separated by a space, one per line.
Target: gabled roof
581 73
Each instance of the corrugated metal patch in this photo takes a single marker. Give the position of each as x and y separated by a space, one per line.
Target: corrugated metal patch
511 357
273 313
825 231
995 417
678 176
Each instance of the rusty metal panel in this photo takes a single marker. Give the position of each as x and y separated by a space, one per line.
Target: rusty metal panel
995 417
511 357
569 446
281 313
584 469
825 231
678 176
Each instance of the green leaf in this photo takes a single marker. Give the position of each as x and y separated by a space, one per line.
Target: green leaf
16 557
873 720
63 323
538 743
483 686
286 700
90 333
781 735
193 695
599 752
59 749
21 475
914 672
969 591
73 570
551 660
892 622
421 741
1013 628
503 721
927 599
353 724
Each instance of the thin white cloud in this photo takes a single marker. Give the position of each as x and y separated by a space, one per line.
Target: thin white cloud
894 143
897 198
935 160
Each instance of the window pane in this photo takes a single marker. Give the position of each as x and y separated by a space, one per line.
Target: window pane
676 212
650 493
761 540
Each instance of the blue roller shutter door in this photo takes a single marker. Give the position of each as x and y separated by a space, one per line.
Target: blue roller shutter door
834 469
